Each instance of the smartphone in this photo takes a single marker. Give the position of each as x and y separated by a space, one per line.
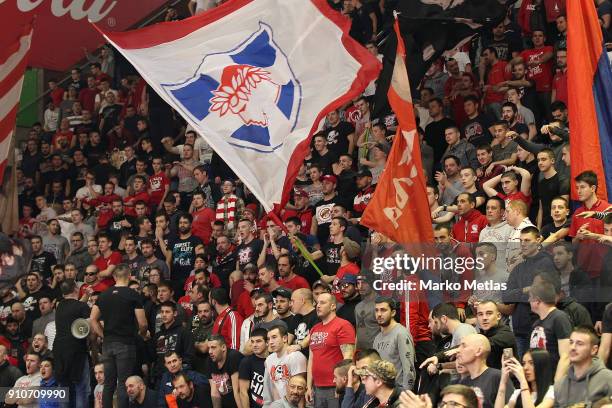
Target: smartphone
508 354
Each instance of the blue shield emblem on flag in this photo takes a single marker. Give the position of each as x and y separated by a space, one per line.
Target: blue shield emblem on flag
248 95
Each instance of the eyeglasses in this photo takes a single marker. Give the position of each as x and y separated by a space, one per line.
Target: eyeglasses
451 404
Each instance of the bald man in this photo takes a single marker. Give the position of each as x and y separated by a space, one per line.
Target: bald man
331 340
140 396
472 354
302 305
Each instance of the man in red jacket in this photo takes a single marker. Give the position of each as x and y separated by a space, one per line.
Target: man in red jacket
471 221
203 217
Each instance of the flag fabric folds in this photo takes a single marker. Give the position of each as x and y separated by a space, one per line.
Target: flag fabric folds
399 207
589 81
255 79
13 63
430 29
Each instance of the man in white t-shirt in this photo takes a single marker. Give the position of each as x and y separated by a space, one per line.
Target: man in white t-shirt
30 380
280 365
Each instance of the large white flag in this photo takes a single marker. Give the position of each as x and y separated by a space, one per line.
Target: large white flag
255 78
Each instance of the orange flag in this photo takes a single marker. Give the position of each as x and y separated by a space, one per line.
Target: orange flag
399 207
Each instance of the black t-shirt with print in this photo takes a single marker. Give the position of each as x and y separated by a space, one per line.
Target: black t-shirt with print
248 253
30 302
337 137
546 334
304 324
332 258
42 263
476 130
252 368
222 377
183 256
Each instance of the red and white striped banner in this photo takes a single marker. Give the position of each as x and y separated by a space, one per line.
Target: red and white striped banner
13 62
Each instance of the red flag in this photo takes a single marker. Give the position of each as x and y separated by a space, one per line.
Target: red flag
13 62
399 207
589 82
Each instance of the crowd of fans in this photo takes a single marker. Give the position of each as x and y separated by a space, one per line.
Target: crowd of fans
195 298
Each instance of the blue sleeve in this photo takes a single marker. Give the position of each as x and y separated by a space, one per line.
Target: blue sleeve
349 398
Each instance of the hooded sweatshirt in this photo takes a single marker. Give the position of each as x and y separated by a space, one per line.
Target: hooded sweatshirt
175 338
594 385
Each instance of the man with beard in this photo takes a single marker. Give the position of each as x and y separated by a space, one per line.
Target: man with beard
120 223
280 365
54 242
265 317
510 115
149 261
445 321
350 298
139 395
251 371
166 396
282 306
394 342
188 394
288 278
225 261
201 330
366 325
341 370
295 394
183 253
222 369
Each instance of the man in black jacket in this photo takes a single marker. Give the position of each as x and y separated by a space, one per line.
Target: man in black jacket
172 336
500 336
519 282
8 373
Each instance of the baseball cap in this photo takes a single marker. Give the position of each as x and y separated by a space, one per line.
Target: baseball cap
349 278
351 248
282 292
300 192
329 178
320 283
364 173
383 370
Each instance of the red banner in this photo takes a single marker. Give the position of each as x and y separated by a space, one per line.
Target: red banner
62 28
